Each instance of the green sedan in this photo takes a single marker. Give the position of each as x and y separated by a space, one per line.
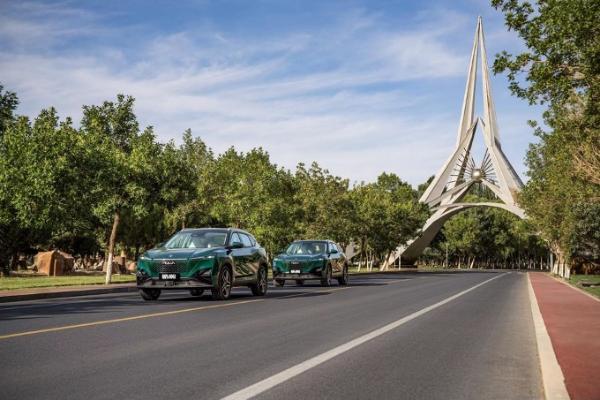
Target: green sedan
305 260
200 259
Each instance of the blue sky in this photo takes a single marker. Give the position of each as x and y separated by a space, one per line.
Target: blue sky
361 87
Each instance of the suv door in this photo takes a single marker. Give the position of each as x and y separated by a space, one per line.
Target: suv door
334 258
253 256
239 257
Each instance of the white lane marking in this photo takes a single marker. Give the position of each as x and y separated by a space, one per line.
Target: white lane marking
266 384
552 376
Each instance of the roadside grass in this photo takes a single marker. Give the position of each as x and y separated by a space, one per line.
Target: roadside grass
14 283
576 279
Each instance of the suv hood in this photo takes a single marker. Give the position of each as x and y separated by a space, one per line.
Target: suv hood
179 254
301 257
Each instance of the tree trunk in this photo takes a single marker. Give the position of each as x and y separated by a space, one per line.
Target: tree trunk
111 247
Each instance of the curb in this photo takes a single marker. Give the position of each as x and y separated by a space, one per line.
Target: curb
552 376
66 293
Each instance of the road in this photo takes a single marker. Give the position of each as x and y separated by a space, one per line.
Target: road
411 336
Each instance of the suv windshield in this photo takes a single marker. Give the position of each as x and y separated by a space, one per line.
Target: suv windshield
298 248
197 240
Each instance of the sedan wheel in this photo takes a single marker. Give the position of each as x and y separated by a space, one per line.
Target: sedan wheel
224 282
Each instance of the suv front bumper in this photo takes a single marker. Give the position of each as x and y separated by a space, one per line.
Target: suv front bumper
182 283
302 276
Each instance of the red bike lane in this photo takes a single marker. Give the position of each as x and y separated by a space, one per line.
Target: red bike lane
572 320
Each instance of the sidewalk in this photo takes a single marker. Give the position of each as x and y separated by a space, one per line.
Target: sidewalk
572 320
63 291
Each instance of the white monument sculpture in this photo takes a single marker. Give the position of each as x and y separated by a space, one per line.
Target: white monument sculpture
460 172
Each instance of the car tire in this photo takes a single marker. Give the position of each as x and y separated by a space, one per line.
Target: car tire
326 278
260 287
150 294
343 280
299 282
222 290
196 292
279 282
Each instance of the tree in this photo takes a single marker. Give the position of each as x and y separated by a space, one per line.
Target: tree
124 159
561 69
324 210
8 105
42 172
387 214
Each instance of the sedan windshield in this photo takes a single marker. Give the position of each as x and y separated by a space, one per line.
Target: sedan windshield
197 240
299 248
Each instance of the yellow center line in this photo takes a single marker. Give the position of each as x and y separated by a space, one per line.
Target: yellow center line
116 320
152 315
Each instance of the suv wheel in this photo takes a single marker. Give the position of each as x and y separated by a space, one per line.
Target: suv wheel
150 294
326 278
260 287
343 280
196 292
224 282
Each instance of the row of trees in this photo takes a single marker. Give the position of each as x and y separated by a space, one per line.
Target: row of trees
109 184
561 70
487 237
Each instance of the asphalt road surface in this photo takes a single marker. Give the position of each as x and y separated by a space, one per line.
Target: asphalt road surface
397 336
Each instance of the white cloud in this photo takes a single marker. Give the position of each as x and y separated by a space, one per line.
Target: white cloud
335 96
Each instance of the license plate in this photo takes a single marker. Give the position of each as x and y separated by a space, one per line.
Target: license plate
169 277
295 271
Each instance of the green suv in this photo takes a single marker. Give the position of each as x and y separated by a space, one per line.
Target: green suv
311 260
200 259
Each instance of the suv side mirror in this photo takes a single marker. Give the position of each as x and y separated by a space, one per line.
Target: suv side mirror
235 245
333 251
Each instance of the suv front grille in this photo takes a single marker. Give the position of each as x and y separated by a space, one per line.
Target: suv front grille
177 268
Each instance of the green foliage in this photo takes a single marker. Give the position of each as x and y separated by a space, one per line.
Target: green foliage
563 46
560 68
387 214
8 105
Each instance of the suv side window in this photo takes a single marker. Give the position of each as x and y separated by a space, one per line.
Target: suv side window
253 240
235 237
246 240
